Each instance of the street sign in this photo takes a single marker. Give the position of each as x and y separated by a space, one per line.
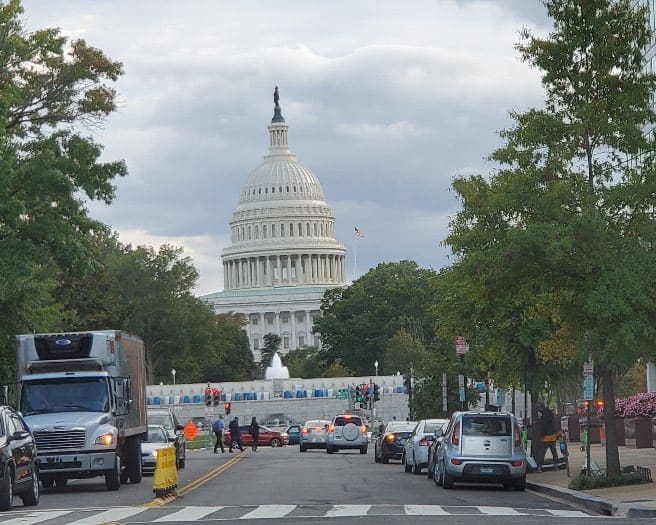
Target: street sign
588 388
461 393
190 431
343 393
588 368
501 397
462 346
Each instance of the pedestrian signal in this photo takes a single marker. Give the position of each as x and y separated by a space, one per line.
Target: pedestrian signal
376 393
358 394
216 396
208 396
227 407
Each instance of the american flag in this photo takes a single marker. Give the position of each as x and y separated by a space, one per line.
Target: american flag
358 233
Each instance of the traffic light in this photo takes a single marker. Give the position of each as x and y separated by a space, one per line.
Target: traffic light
358 394
376 393
227 407
216 396
208 395
365 393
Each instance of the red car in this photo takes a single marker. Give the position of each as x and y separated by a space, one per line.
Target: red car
267 437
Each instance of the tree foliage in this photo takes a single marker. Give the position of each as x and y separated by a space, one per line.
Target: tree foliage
358 321
558 235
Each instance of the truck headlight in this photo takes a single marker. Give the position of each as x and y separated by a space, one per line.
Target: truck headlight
105 439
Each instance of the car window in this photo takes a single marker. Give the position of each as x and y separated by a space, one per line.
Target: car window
400 426
341 421
15 424
433 426
486 426
156 435
161 419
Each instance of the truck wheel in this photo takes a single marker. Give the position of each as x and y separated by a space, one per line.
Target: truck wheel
31 497
7 489
113 477
133 460
48 482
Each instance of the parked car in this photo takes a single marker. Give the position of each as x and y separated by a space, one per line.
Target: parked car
481 447
19 465
389 443
314 434
166 418
294 433
266 437
415 449
157 439
346 431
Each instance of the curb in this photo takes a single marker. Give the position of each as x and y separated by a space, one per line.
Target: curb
607 507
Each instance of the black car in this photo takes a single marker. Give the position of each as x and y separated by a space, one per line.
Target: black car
389 443
19 465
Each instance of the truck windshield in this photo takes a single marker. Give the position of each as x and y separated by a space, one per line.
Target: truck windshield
64 395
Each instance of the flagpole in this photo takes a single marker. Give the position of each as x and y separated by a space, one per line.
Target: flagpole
355 258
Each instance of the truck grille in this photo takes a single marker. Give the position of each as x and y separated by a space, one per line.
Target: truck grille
60 440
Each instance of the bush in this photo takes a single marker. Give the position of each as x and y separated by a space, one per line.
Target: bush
583 482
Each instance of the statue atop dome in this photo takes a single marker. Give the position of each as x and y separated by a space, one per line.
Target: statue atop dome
277 112
276 96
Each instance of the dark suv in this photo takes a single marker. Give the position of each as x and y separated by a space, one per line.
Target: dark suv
19 465
166 418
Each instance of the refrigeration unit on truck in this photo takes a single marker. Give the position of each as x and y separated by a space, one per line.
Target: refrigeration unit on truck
83 396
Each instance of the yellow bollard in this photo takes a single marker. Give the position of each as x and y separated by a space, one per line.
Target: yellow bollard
165 478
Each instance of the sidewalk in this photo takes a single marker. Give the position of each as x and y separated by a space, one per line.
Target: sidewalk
633 501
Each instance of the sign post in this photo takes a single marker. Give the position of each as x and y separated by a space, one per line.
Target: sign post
588 396
462 348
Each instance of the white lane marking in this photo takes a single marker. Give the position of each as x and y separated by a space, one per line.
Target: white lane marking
347 510
499 511
425 510
36 517
564 513
189 514
115 514
269 511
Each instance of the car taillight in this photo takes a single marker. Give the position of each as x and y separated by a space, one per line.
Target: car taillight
518 437
390 437
456 461
304 431
455 436
516 463
363 429
424 442
331 428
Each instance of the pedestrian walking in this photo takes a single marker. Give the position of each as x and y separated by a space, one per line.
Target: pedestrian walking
235 434
254 430
548 436
218 427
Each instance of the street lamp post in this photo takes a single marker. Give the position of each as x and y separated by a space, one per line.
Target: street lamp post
173 373
376 365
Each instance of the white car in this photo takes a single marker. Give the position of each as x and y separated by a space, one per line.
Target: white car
157 439
415 450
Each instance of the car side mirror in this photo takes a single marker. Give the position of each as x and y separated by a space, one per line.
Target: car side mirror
18 435
179 427
171 439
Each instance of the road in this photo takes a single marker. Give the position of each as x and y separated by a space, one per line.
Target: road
285 486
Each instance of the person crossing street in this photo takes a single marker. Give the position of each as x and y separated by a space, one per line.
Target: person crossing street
235 435
218 427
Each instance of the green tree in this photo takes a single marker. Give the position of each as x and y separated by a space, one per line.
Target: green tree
304 362
233 359
49 86
562 227
358 321
271 346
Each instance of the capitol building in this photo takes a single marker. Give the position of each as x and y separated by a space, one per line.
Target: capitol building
283 254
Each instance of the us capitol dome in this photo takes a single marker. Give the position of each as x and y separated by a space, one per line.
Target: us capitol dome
283 254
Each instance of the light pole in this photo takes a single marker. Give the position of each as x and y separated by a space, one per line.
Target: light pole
376 365
173 373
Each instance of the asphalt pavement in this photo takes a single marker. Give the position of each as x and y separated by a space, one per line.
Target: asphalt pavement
633 501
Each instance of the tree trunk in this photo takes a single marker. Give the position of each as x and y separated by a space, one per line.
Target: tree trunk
612 453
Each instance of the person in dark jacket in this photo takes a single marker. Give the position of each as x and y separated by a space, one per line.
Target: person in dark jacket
254 431
235 434
548 436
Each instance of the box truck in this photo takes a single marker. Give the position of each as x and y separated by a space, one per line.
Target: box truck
83 396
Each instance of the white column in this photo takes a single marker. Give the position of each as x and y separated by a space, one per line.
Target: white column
279 261
293 339
278 325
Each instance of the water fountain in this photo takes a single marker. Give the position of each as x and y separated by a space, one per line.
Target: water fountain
276 370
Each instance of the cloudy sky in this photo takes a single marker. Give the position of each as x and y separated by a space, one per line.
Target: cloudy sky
386 101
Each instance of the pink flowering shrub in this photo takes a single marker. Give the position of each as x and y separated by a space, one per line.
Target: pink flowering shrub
639 405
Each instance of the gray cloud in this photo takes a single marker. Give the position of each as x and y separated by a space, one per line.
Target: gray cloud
386 102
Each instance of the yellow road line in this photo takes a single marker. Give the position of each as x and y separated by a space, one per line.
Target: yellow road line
158 502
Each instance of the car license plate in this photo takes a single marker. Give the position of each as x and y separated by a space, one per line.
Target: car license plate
487 470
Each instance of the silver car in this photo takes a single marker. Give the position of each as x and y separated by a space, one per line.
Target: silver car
314 434
483 447
347 431
157 439
415 449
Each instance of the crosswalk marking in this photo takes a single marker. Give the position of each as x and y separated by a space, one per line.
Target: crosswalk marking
98 516
347 510
115 514
269 511
500 511
33 517
425 510
189 514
